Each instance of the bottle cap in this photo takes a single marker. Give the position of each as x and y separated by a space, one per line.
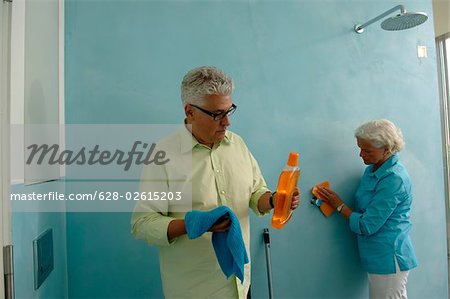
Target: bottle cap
293 159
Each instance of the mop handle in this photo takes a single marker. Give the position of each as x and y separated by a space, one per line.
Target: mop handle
269 266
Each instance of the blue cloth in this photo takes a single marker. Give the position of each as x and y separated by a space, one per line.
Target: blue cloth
228 246
381 218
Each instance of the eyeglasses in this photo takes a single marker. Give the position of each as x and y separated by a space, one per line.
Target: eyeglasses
217 115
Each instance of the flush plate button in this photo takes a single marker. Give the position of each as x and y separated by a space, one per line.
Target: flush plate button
43 257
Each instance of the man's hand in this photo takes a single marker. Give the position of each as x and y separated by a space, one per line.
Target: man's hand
221 226
295 199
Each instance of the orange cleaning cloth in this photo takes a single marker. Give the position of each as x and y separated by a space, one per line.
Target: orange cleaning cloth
326 209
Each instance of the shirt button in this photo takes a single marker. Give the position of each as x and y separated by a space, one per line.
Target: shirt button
223 192
217 170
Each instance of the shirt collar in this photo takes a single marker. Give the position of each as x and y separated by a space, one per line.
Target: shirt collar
188 141
385 166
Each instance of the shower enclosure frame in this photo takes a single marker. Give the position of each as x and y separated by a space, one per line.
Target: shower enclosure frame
6 265
443 48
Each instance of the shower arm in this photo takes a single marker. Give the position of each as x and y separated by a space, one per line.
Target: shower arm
360 28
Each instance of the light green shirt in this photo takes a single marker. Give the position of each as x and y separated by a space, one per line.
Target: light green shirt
227 175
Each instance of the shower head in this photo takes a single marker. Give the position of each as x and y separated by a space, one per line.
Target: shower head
402 21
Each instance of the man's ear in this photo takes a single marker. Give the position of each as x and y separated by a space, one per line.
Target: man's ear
189 111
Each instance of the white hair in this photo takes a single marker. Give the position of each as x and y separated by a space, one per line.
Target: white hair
204 81
382 133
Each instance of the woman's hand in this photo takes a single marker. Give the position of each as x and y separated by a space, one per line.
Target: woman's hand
329 196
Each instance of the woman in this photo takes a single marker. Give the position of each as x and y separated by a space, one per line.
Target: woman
381 218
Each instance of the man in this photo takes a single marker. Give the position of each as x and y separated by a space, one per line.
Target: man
223 172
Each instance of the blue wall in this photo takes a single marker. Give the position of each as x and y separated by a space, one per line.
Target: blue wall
304 81
105 261
27 226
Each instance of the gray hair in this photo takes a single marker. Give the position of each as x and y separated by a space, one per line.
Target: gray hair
382 133
204 81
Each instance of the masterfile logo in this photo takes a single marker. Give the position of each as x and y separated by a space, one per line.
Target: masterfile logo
52 155
100 168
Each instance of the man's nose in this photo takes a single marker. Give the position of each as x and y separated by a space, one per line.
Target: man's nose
225 121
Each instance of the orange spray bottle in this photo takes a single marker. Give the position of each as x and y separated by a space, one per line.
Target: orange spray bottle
283 198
